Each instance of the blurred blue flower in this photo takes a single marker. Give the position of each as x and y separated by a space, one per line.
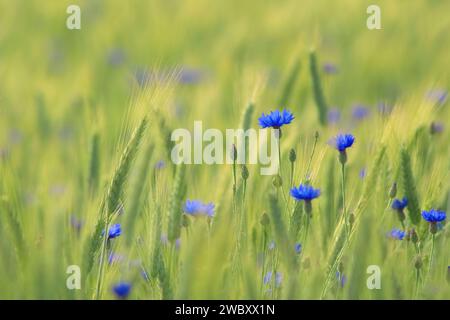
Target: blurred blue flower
330 68
178 243
334 115
114 231
275 119
145 275
164 239
298 248
278 279
359 112
437 95
434 216
397 234
342 141
271 245
436 127
384 108
191 76
341 278
15 136
304 192
362 173
196 207
116 57
76 223
267 277
114 258
160 165
122 290
398 204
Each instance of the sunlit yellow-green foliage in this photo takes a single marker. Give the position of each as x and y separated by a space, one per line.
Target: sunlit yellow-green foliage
60 88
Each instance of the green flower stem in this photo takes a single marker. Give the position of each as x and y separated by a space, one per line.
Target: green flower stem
344 211
431 253
100 276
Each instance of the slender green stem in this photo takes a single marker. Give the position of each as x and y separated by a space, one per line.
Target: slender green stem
308 222
431 254
102 261
291 180
243 217
416 291
234 185
344 210
308 168
403 224
279 151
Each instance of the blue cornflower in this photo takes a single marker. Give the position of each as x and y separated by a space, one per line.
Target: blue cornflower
275 119
434 216
122 290
304 192
209 209
342 141
114 231
397 234
359 112
192 207
196 207
398 204
298 248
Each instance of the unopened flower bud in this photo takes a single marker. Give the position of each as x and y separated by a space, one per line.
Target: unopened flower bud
264 219
185 221
277 181
414 236
351 220
418 262
292 155
233 153
393 191
244 172
340 267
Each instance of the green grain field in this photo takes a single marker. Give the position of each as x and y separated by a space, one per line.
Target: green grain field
86 118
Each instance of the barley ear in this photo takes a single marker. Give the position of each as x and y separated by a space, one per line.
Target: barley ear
409 187
175 211
317 88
